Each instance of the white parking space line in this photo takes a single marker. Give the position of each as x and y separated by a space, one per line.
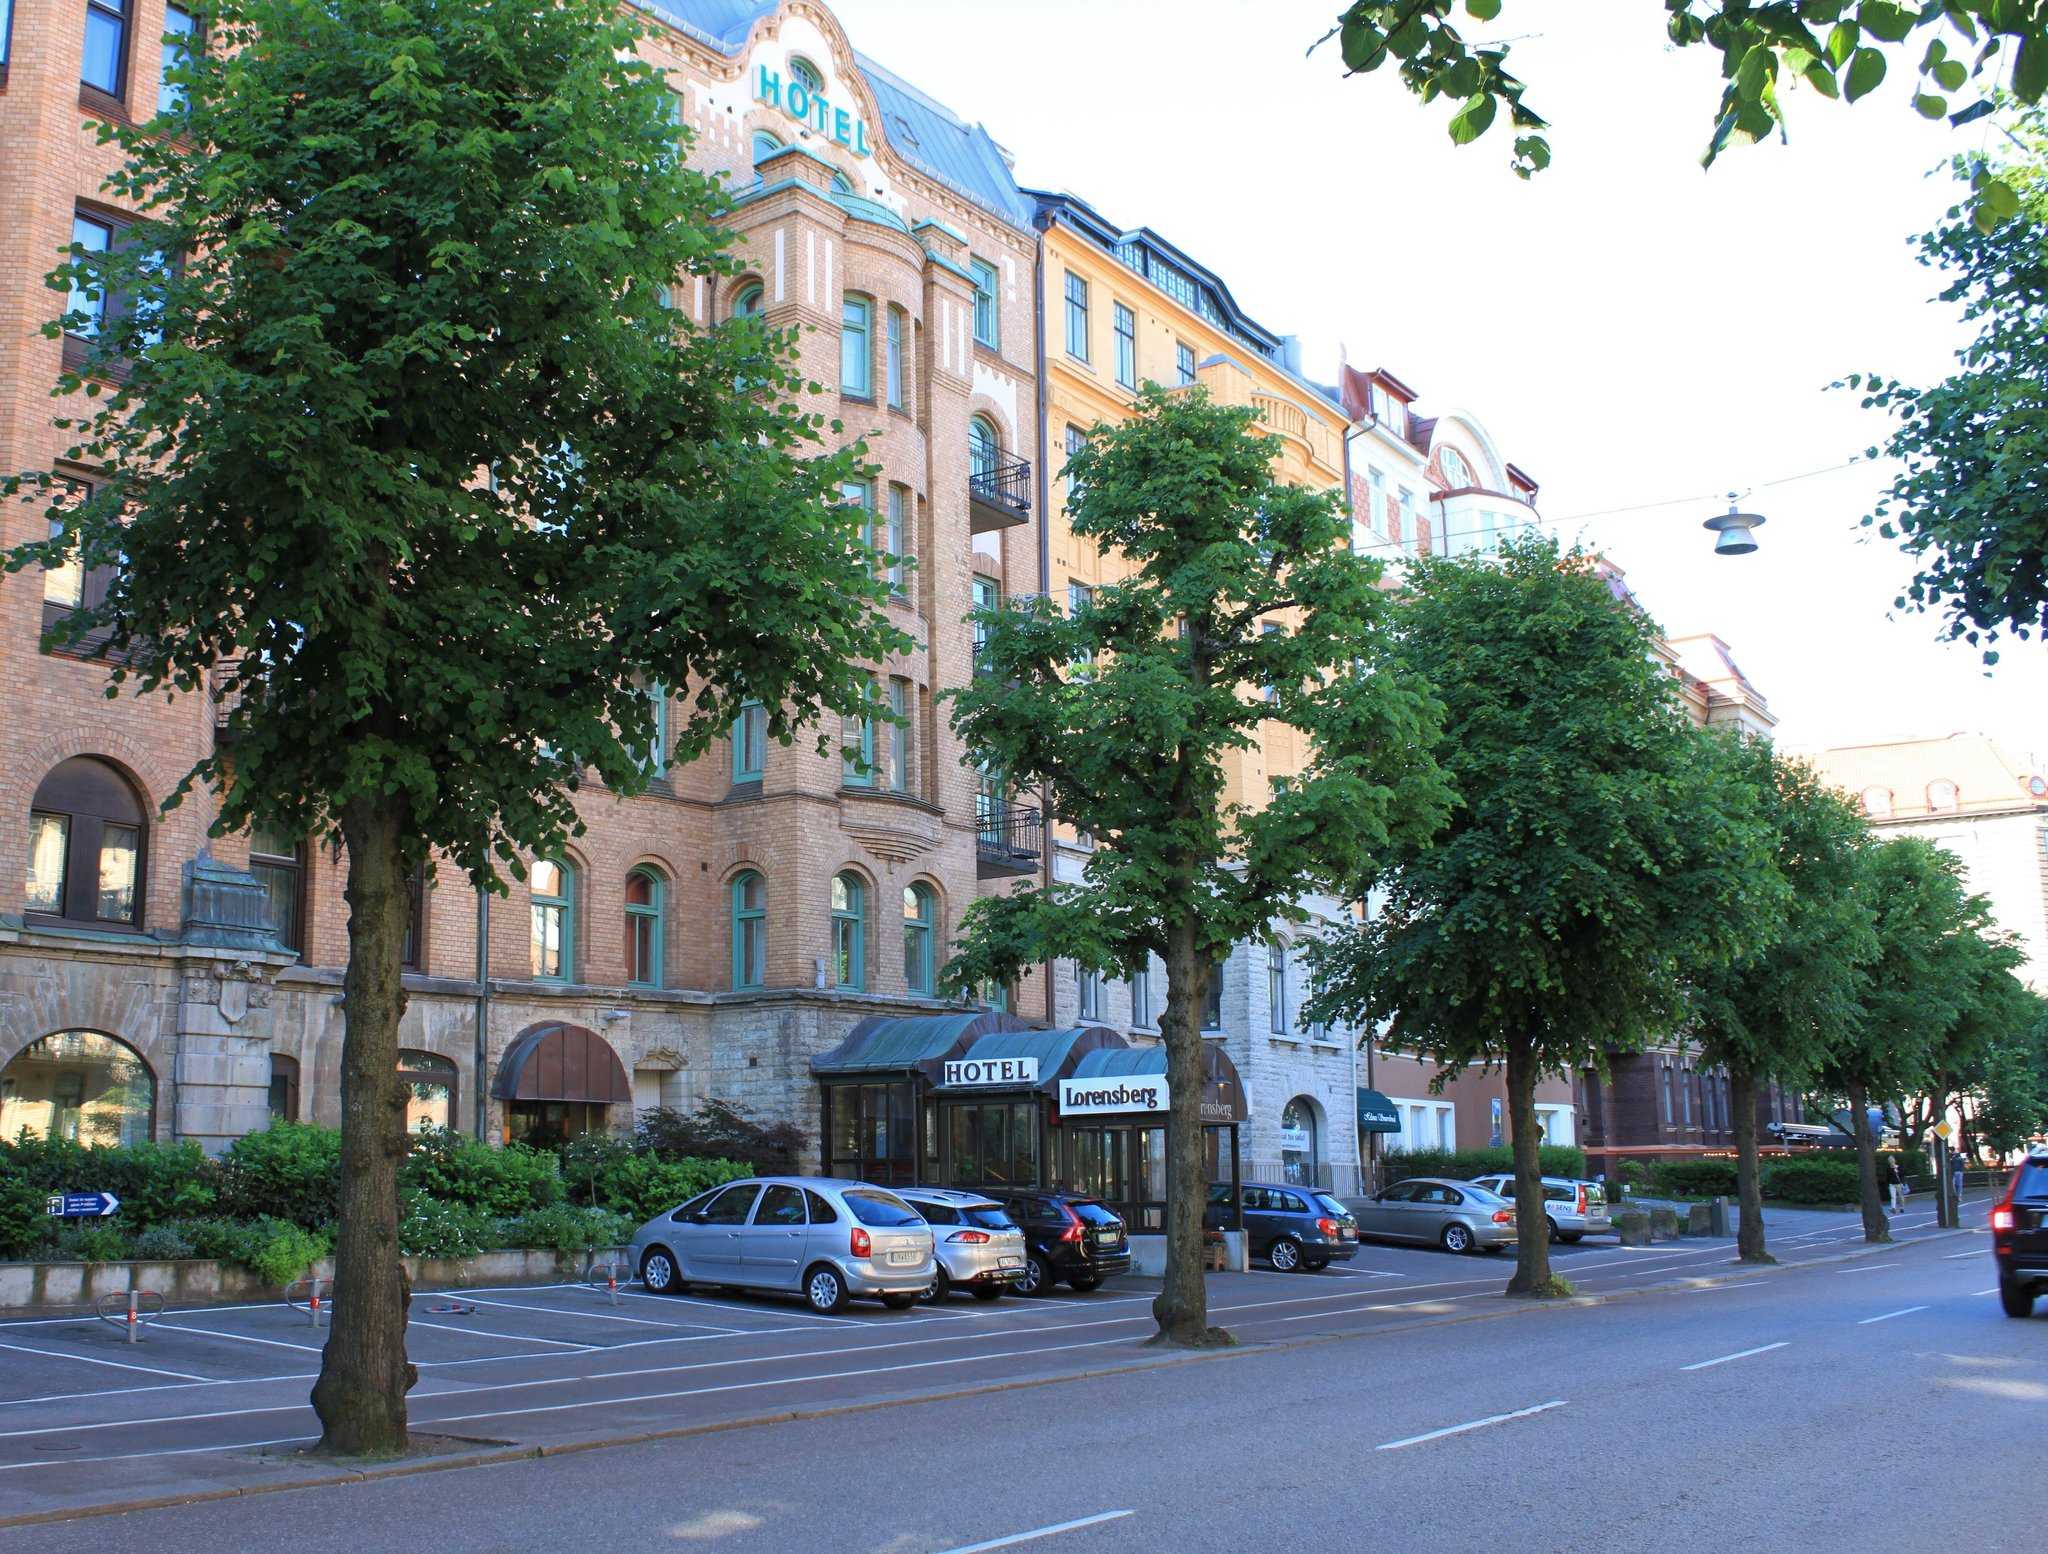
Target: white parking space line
1038 1532
1868 1267
778 1381
1740 1354
1359 1311
1951 1257
516 1338
136 1424
1992 1291
1904 1312
600 1316
240 1338
59 1354
1476 1424
176 1451
1709 1289
162 1386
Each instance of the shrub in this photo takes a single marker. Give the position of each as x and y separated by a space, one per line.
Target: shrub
88 1243
562 1228
434 1227
24 1226
291 1170
719 1130
1463 1164
276 1251
640 1186
161 1243
470 1174
1693 1178
1812 1181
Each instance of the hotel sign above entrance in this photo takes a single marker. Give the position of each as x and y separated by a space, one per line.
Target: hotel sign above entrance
812 109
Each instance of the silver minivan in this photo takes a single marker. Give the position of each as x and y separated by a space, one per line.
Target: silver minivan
979 1247
822 1237
1573 1209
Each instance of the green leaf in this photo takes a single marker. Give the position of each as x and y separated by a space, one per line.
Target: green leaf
1482 10
2030 70
1471 121
1866 70
1930 106
1950 75
1363 44
1842 43
1886 21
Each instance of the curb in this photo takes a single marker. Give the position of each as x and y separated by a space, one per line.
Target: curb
408 1469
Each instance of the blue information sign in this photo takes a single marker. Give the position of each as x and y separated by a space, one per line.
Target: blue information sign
81 1205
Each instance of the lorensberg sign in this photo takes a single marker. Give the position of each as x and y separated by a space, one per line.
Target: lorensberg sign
1099 1097
812 109
991 1071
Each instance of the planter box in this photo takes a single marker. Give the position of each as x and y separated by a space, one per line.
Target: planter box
32 1287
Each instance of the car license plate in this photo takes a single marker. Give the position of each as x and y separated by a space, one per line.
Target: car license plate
910 1256
1347 1233
1009 1262
1106 1237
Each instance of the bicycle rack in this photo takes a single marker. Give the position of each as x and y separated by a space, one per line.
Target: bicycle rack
608 1272
318 1306
130 1310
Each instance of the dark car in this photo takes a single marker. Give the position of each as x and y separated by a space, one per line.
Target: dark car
1293 1228
1070 1237
2019 1237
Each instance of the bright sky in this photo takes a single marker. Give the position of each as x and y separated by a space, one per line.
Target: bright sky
1630 328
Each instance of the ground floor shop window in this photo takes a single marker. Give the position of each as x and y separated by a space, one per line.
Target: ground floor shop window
78 1085
870 1130
284 1088
1300 1156
544 1124
993 1145
430 1090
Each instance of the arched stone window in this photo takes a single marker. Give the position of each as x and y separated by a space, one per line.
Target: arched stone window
431 1084
645 919
1300 1143
749 930
920 966
82 1086
87 836
849 932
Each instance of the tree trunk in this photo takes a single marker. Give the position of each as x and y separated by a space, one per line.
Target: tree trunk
364 1374
1532 1234
1874 1226
1182 1307
1749 1235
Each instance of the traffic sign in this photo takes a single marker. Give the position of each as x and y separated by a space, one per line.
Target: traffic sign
1943 1131
81 1205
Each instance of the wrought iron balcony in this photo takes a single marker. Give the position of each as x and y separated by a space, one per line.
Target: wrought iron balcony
998 493
1010 840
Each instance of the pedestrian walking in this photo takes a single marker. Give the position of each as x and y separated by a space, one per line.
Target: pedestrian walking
1897 1186
1957 1162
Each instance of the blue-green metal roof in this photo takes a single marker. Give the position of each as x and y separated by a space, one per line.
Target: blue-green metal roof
1115 1063
1057 1051
885 1045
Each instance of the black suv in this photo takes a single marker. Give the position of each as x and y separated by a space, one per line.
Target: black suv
1068 1236
2019 1237
1293 1228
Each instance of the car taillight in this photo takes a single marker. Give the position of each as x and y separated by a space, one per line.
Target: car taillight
1327 1226
861 1245
2001 1218
1073 1232
1582 1197
971 1237
1503 1216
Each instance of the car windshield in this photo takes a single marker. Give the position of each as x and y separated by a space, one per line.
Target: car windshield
883 1210
1330 1205
2033 1180
1089 1212
988 1216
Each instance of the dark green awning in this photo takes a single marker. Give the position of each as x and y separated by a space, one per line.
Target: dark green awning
902 1045
1376 1114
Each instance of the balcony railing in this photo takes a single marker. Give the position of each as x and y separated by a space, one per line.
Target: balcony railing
999 493
1010 839
1280 415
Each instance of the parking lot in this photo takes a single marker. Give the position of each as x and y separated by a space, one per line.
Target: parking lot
216 1397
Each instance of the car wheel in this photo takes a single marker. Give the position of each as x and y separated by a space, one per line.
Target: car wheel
987 1292
1087 1281
941 1288
658 1272
1284 1255
824 1290
1457 1238
1037 1278
1554 1236
2018 1299
900 1302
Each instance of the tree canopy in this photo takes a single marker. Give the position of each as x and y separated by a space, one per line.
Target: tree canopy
1128 710
1594 859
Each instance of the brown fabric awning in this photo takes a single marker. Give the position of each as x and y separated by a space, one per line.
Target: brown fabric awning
555 1062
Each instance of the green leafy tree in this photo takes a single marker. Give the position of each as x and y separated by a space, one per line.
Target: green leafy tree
1914 990
1789 995
2012 1086
1595 858
1836 48
416 241
1969 501
1128 711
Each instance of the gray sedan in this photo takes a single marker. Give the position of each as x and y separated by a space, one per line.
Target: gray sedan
817 1236
1457 1216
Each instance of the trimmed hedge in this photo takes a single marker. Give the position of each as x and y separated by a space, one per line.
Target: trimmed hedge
1693 1178
1464 1164
1811 1181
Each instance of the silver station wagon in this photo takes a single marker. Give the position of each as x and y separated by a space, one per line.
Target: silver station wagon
821 1237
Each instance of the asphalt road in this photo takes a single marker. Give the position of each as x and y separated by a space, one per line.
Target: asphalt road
1880 1403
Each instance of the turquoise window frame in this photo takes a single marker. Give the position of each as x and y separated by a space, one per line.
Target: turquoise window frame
896 534
896 330
849 932
1125 323
564 905
857 347
655 912
750 742
899 735
859 771
749 922
920 962
988 319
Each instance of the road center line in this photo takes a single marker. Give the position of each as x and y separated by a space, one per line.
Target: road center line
1039 1532
1905 1312
1476 1424
59 1354
1950 1257
1740 1354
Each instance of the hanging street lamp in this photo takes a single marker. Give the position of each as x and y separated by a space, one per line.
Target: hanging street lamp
1734 530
